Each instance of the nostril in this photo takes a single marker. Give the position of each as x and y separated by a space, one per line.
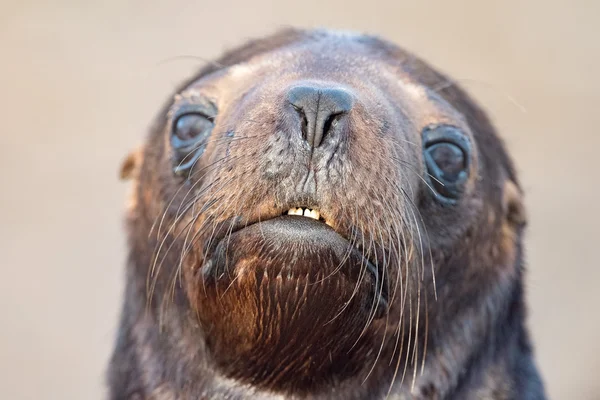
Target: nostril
303 120
332 122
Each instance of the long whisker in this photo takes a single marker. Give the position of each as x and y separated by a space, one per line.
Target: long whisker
381 283
189 57
205 169
156 267
174 224
454 82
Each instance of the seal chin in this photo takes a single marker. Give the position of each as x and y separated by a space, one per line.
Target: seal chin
276 296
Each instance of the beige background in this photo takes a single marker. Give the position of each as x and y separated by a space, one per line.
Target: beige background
80 81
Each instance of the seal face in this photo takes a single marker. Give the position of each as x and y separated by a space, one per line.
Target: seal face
320 214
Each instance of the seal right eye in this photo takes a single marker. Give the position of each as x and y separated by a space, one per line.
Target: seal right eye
189 136
190 126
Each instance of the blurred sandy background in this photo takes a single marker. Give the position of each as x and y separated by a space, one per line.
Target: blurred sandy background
80 81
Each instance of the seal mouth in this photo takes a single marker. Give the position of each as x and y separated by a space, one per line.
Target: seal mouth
311 220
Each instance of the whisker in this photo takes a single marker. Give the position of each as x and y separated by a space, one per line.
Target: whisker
454 82
382 279
206 169
175 222
154 270
189 57
413 169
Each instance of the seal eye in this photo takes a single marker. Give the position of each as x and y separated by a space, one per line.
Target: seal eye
190 126
190 132
447 158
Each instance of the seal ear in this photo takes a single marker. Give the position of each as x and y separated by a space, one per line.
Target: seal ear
131 165
512 205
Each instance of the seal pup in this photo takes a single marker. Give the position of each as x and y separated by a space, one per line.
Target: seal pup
323 215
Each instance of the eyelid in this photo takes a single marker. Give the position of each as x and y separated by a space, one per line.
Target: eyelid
441 133
208 111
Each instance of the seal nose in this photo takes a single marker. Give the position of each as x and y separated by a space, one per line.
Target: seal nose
321 109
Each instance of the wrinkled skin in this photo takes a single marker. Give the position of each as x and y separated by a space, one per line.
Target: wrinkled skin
393 293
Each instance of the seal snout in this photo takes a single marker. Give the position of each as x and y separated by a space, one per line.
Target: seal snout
322 110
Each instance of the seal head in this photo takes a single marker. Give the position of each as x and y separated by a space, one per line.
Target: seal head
324 209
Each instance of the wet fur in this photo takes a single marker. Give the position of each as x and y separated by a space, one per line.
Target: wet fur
470 342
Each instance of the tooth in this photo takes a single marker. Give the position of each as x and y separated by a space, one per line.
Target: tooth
295 211
314 214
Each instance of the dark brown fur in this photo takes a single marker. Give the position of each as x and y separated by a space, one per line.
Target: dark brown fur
211 311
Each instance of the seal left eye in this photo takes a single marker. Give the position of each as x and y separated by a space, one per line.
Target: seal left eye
447 154
188 139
